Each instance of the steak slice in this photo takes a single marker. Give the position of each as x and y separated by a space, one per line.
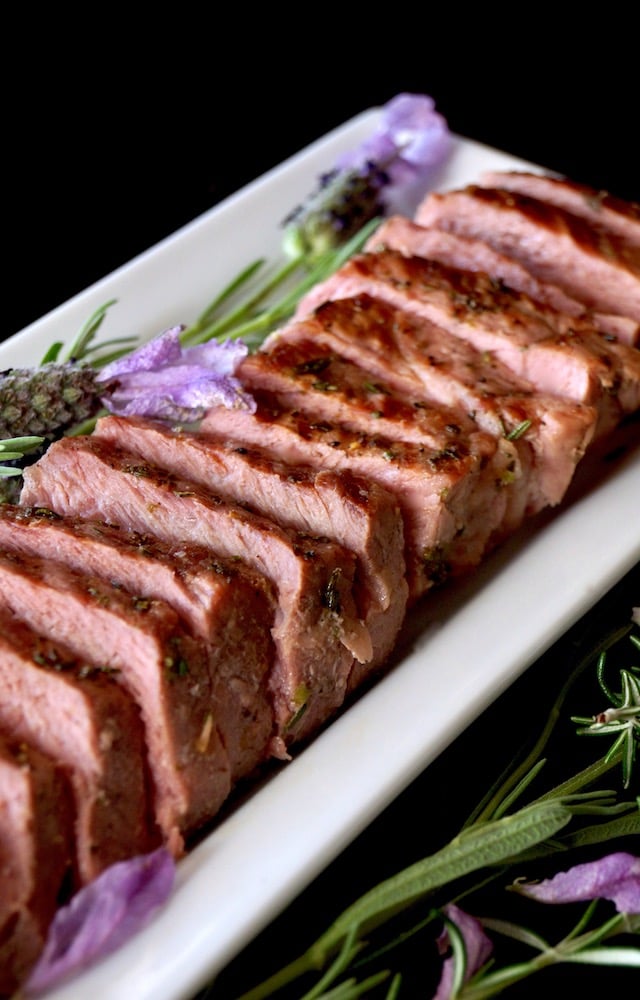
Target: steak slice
417 358
141 642
323 385
472 254
222 601
353 511
535 342
599 268
97 737
36 844
599 208
448 518
315 627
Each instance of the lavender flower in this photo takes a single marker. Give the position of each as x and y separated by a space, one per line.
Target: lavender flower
410 142
102 916
164 380
615 877
388 173
477 948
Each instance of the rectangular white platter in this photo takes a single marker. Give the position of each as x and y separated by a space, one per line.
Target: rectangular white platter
461 650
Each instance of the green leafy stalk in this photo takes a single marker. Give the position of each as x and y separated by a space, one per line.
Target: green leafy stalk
258 313
492 842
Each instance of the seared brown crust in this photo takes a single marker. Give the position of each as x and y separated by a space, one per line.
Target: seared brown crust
599 208
355 512
97 737
322 384
36 847
420 359
473 254
554 353
223 602
599 268
316 627
142 643
448 520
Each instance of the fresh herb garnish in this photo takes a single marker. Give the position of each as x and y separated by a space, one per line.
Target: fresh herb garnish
512 830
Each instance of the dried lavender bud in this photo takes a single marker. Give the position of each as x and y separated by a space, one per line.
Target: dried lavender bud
48 400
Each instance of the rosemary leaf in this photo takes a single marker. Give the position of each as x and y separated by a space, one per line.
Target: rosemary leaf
478 847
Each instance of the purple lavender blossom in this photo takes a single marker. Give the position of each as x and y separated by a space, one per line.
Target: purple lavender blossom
411 140
387 173
166 381
615 877
478 948
102 916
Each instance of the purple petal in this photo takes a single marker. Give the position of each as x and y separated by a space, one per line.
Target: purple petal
478 947
615 877
223 358
411 139
163 350
410 129
102 916
164 381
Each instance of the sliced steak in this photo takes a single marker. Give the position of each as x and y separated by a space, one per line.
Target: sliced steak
222 601
599 208
533 341
599 268
97 736
323 385
448 517
36 846
357 513
142 643
315 629
417 358
472 254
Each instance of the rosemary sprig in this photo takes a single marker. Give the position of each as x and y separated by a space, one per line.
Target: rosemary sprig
258 313
497 837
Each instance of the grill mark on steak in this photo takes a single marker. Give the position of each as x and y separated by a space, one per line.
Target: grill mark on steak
145 648
98 738
599 208
472 254
36 824
353 511
598 268
447 525
313 576
322 384
224 603
420 359
555 354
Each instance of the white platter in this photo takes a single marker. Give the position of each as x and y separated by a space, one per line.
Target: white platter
478 637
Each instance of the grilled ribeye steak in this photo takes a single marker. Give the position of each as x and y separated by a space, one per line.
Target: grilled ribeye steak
448 517
322 385
78 715
221 600
423 361
36 846
206 590
355 512
599 268
554 353
315 630
142 643
472 254
599 208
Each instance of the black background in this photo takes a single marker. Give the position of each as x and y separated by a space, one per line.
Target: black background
116 132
